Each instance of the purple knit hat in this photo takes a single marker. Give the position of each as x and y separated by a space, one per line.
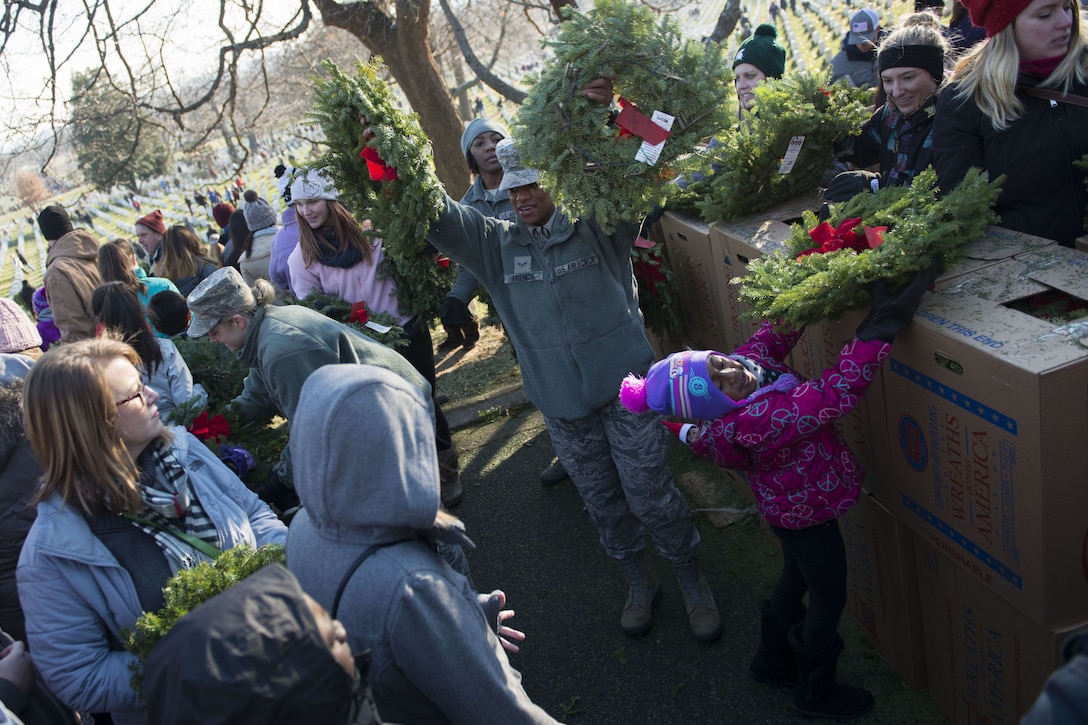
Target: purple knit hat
39 301
679 385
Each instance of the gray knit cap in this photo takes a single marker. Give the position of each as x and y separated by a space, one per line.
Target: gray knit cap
259 214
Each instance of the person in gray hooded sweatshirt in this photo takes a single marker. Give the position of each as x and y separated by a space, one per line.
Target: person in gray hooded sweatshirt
366 471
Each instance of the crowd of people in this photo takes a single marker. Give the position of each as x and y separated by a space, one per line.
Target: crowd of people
102 501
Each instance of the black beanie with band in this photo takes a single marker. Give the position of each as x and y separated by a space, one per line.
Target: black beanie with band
929 58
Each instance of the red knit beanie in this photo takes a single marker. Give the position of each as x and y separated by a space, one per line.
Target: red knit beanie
221 213
994 15
153 221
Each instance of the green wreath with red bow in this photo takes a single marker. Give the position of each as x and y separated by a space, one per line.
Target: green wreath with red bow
592 166
828 268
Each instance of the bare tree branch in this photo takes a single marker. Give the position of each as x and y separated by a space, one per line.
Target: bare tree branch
482 72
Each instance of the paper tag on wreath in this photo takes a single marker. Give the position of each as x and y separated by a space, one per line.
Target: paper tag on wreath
377 327
649 153
791 154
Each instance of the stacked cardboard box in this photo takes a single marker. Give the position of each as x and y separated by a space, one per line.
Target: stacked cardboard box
881 592
986 660
687 241
987 421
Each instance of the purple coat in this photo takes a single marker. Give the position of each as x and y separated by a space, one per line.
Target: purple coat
283 244
799 466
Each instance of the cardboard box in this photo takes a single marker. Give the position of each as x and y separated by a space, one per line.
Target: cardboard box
987 415
995 245
733 247
881 591
734 244
986 661
687 241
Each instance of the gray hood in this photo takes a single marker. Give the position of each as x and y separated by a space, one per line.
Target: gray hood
363 448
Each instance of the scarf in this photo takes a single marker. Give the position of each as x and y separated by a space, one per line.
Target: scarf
330 258
768 380
899 141
1041 68
170 504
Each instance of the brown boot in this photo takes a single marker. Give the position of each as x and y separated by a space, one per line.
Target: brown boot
449 473
470 331
454 338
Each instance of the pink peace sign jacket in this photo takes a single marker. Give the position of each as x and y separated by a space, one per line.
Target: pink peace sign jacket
799 466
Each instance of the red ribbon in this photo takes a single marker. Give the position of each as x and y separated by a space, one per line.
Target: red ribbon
379 170
359 313
209 429
633 122
844 236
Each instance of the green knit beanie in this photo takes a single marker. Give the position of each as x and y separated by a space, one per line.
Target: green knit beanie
763 51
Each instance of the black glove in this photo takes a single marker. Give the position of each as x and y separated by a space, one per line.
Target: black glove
892 311
849 184
275 492
454 312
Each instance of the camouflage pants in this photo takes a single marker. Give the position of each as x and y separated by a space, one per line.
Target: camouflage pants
618 460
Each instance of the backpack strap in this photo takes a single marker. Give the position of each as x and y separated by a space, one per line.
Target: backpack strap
351 572
1050 95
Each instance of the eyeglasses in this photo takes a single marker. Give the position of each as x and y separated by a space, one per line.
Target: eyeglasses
141 393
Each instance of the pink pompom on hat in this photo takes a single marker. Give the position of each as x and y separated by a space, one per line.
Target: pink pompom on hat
679 385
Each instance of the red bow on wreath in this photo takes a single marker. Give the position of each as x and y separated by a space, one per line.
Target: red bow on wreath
359 313
379 170
632 122
844 236
206 428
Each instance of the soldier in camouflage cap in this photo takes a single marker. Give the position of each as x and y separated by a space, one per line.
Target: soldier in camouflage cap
222 294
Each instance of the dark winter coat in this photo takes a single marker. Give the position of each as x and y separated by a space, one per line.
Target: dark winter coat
19 475
1043 193
252 654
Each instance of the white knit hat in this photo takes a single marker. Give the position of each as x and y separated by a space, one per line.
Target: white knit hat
312 185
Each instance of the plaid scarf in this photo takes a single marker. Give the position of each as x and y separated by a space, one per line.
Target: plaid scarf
171 504
901 142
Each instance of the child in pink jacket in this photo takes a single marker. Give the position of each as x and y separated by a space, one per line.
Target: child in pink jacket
759 416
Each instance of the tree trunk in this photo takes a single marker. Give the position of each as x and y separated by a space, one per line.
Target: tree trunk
727 21
405 47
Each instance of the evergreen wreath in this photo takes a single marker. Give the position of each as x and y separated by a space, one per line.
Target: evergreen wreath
187 590
585 162
400 209
746 177
356 316
921 226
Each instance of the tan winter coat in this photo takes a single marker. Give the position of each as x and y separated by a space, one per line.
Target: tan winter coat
71 276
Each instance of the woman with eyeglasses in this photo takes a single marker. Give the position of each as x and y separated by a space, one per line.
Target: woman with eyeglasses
124 504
